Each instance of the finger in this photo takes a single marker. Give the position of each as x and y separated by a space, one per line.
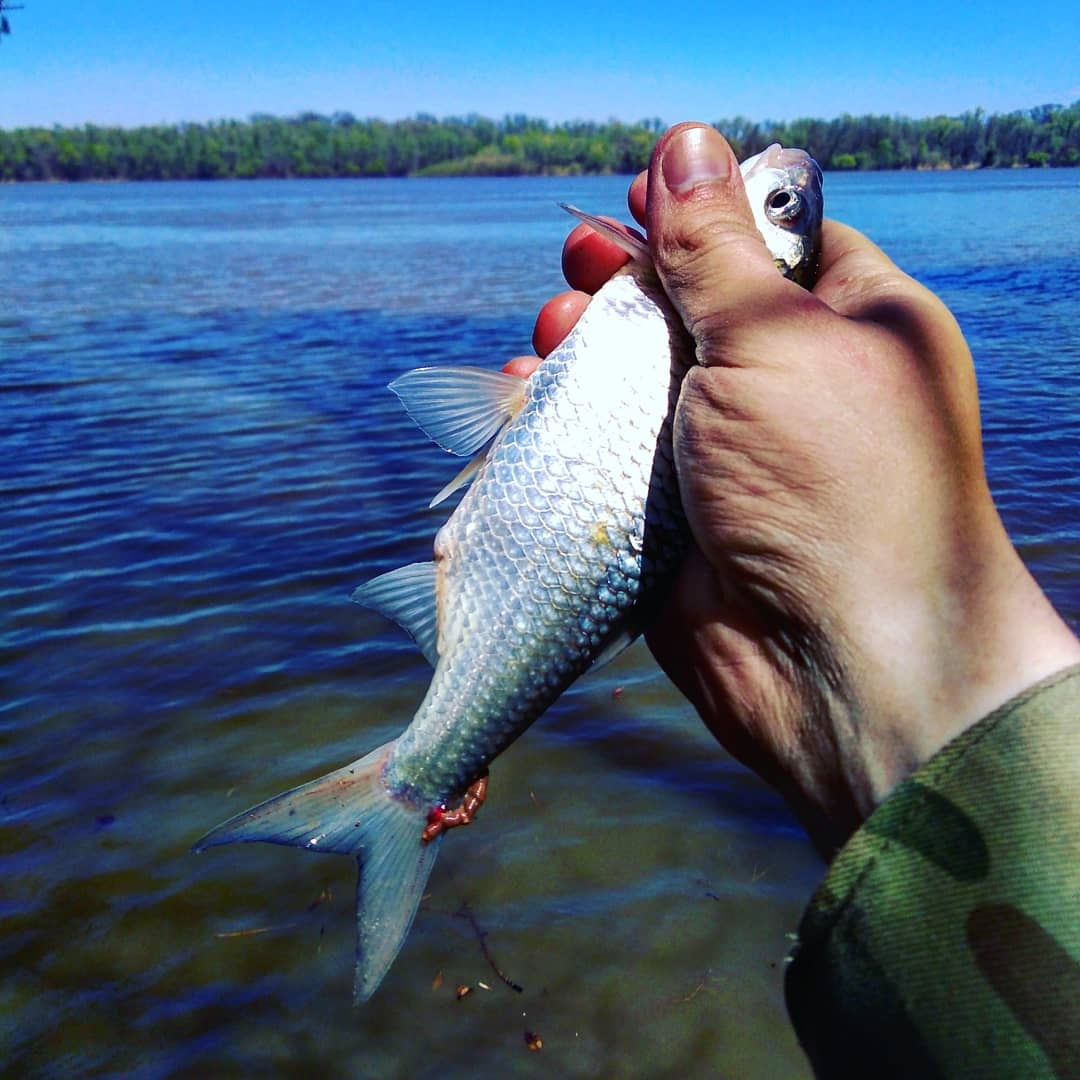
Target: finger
840 243
589 259
860 281
705 644
521 366
711 258
636 197
556 319
854 272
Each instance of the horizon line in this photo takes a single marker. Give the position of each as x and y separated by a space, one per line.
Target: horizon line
648 123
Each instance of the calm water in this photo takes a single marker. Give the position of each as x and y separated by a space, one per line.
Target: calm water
200 461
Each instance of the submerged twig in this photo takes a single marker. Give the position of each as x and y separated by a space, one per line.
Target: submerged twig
465 912
253 931
326 896
704 984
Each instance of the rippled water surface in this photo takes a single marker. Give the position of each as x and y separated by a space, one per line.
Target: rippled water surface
200 461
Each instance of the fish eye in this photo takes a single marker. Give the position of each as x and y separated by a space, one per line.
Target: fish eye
784 207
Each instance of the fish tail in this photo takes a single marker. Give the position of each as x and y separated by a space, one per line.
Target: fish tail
353 811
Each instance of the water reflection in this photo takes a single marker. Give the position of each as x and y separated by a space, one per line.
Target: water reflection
201 462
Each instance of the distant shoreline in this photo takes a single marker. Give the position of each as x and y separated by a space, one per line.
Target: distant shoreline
60 181
341 146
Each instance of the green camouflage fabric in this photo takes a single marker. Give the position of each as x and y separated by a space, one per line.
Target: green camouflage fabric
945 939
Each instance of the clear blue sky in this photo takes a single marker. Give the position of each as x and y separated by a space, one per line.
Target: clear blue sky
133 62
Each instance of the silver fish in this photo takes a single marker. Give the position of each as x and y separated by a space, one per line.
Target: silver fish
572 524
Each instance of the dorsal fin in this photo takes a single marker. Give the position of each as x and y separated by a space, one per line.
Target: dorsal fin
460 408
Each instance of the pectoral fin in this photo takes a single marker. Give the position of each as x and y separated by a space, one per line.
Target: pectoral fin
636 248
460 480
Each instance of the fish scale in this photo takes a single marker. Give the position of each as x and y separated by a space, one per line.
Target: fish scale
539 581
572 523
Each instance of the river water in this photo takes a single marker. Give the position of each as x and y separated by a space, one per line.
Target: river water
200 462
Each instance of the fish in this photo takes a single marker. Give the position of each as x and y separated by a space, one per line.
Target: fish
570 531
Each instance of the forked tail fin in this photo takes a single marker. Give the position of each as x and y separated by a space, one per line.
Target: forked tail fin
351 811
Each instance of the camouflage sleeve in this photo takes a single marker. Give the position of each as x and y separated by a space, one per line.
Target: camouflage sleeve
945 939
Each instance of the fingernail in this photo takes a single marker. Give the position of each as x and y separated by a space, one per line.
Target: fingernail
693 157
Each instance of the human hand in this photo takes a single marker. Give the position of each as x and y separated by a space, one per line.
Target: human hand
852 601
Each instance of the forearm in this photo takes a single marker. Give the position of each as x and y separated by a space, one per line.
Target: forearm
945 939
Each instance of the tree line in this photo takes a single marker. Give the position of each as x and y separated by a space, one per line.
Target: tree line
312 145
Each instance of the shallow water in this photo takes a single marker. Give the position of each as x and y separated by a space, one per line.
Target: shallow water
201 461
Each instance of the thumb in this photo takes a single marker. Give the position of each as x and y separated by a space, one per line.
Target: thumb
709 254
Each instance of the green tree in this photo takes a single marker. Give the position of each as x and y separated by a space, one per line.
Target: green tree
313 145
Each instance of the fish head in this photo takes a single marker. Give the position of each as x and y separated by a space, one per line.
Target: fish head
784 189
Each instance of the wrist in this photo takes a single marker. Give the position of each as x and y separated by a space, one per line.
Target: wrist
958 653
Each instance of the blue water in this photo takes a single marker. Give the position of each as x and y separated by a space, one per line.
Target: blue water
201 461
